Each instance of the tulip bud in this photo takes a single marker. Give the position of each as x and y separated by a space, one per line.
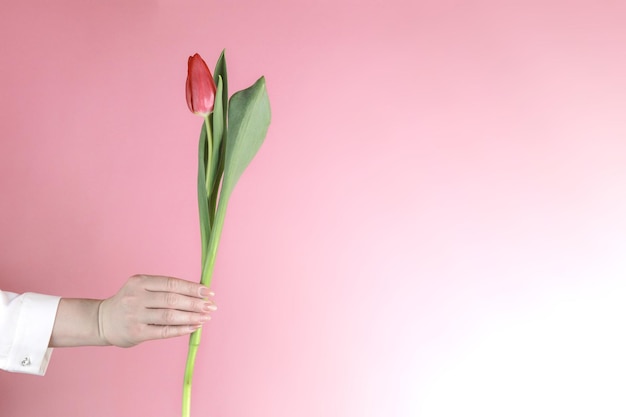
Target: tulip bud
200 87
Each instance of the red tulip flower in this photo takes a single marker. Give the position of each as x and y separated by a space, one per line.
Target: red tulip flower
200 87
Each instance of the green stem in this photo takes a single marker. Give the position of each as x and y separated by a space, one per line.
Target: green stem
203 199
194 339
194 342
205 224
209 170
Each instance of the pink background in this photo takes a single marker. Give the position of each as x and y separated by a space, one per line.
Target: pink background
435 225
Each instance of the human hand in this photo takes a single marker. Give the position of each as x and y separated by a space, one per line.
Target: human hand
153 307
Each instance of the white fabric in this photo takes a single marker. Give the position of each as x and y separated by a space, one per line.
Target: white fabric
26 323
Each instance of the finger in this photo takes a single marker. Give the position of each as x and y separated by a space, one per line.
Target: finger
175 285
167 317
170 300
166 332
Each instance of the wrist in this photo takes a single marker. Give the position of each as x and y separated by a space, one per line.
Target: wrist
77 324
100 325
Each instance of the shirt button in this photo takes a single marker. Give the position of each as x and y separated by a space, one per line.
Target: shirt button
25 361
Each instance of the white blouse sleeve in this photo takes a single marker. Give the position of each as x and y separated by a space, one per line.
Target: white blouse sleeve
26 323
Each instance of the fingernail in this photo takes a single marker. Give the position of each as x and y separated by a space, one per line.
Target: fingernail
209 307
205 318
204 292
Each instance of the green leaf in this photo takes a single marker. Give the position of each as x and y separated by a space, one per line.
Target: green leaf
220 71
249 117
221 105
216 187
205 228
218 133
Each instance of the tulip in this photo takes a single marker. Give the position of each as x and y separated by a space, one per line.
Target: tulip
220 163
200 87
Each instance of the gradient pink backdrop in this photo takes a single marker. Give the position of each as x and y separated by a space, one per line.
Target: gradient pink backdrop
435 225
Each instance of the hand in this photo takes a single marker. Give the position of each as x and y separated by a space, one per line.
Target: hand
153 307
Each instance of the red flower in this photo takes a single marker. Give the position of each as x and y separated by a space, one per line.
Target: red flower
200 86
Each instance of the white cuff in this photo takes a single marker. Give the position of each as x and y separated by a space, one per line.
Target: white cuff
27 327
